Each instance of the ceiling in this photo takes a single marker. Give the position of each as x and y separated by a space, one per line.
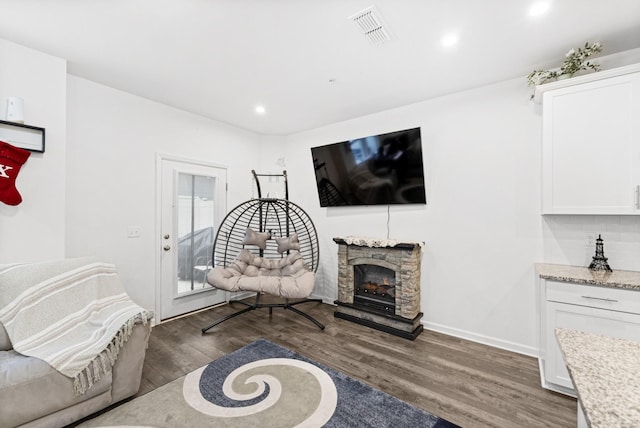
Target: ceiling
304 60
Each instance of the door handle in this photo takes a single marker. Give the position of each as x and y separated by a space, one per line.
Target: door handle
602 299
166 248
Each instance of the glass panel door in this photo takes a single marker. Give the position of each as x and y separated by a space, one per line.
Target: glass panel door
193 203
196 219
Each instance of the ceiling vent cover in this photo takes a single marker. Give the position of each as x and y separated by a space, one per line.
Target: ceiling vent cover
370 23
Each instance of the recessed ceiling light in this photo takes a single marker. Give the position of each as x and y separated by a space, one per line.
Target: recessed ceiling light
260 110
449 40
539 8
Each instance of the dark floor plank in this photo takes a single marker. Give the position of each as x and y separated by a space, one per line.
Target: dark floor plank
470 384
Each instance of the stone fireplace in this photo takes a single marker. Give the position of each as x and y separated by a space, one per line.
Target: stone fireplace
379 284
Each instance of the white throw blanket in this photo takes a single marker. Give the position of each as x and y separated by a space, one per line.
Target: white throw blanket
73 313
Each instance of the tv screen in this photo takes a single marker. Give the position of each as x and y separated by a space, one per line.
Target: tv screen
376 170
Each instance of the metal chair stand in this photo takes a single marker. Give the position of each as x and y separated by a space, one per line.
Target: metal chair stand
257 305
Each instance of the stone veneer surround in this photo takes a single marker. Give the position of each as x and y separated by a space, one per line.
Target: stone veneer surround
404 258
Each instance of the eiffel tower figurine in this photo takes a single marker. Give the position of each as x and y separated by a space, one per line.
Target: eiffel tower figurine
599 261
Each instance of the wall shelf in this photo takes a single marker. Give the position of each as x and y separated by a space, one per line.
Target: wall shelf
24 136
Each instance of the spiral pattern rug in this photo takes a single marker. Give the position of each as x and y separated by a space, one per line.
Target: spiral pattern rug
266 385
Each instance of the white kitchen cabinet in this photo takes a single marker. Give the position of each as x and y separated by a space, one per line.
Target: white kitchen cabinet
608 311
591 143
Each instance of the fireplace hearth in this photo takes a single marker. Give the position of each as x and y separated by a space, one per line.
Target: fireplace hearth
379 284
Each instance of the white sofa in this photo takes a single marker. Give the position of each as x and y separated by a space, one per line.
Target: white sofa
68 313
33 394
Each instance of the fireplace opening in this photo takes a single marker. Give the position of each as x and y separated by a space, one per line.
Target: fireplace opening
374 287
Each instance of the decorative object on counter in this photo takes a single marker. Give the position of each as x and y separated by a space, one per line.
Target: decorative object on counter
11 160
575 61
15 109
599 261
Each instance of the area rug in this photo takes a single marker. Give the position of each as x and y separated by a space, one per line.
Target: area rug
266 385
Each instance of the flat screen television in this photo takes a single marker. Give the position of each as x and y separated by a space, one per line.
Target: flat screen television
376 170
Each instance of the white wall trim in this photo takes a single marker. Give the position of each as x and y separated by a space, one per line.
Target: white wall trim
325 300
158 240
176 158
160 157
485 340
519 348
553 387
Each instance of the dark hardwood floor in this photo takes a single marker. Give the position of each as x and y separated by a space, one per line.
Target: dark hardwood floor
470 384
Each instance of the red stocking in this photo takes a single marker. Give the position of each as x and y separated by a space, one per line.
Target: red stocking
11 159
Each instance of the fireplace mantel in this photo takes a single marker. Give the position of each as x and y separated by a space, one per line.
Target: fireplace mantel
364 241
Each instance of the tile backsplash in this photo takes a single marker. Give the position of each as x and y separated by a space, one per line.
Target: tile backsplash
569 239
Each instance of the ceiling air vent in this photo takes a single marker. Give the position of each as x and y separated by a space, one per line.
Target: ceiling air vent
369 22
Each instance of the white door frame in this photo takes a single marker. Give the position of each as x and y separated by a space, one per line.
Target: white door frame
160 157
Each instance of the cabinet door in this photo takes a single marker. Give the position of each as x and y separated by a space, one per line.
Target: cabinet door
599 321
591 147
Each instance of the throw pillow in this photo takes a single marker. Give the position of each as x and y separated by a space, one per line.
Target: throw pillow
287 243
259 239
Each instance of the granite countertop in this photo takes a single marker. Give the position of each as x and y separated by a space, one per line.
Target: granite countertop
606 375
582 275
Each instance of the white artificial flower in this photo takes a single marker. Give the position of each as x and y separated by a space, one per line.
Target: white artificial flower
571 52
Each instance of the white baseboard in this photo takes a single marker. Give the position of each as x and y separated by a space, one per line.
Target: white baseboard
485 340
240 295
324 299
463 334
553 387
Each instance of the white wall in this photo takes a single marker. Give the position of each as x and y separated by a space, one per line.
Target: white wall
273 160
113 139
35 229
481 224
571 240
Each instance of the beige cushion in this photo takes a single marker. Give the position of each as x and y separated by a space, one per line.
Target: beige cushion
287 277
288 243
252 237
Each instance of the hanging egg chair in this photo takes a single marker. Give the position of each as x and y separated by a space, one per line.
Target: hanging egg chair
266 245
278 218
